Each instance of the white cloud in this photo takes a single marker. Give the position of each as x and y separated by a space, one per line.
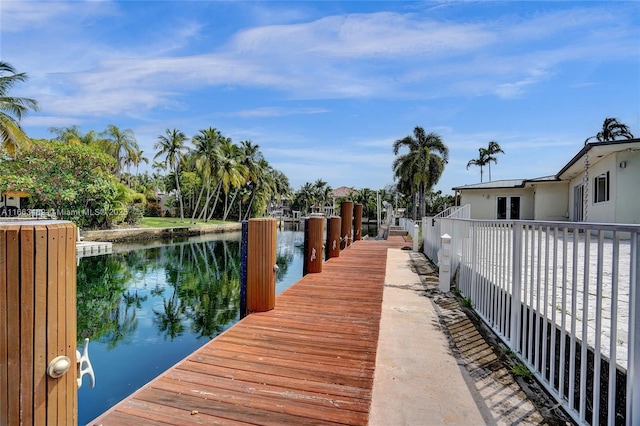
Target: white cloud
37 15
277 112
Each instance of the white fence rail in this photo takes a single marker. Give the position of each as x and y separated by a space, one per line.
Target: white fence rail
563 296
432 230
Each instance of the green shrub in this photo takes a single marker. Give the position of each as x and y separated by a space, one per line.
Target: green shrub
153 210
467 303
134 215
521 370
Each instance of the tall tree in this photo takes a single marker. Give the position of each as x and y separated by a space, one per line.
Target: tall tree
281 188
253 160
424 163
171 145
481 161
73 135
120 144
208 157
612 129
12 109
492 149
233 173
139 158
304 197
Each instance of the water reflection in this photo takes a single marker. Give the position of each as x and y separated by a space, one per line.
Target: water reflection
144 309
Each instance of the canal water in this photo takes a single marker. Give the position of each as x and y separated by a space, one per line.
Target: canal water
147 306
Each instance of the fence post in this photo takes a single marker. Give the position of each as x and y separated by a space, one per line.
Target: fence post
444 266
38 323
516 279
357 222
633 368
313 238
346 212
415 236
334 227
261 265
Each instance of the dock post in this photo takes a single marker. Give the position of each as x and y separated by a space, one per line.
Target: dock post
346 212
313 239
357 222
261 264
334 226
38 372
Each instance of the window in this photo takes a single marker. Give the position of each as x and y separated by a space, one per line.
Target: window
601 186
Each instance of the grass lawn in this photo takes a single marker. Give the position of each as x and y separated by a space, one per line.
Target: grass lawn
173 222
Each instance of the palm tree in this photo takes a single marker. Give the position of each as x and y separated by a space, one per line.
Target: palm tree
208 158
281 187
254 162
139 158
492 150
73 135
481 161
171 145
368 199
423 165
232 172
12 137
120 144
611 129
305 197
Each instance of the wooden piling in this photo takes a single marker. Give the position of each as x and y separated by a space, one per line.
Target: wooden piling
37 322
346 212
261 262
334 226
357 222
313 239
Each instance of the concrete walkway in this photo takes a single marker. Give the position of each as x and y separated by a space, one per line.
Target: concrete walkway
432 366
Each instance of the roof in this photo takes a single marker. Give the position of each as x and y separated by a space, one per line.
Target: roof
20 194
343 191
595 150
507 183
572 169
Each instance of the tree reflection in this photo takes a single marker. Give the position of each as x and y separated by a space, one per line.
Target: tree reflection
170 321
101 281
191 286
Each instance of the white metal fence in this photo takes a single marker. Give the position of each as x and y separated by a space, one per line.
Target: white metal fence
563 296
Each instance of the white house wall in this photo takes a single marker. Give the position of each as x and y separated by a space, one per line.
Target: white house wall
484 202
551 201
10 202
627 195
603 212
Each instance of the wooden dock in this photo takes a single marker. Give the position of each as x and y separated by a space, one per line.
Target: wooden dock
311 360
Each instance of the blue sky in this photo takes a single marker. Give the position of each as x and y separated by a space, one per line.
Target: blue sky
324 88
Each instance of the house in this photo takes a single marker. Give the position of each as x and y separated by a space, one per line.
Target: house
10 203
599 184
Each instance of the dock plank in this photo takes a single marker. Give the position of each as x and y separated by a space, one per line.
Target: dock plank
310 360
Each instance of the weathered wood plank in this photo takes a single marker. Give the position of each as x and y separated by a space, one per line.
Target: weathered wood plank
69 321
52 318
4 329
40 326
27 299
310 360
13 321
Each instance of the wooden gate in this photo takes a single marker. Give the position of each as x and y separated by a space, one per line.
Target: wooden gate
37 322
